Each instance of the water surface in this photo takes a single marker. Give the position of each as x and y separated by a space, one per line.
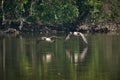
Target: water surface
27 59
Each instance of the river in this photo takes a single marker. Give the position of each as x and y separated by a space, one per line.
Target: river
27 58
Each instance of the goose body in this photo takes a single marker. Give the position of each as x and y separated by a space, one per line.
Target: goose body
77 34
49 39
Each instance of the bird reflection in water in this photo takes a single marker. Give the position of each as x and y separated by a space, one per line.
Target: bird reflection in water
76 57
47 57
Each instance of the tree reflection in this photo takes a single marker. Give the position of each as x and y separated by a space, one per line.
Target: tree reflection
25 59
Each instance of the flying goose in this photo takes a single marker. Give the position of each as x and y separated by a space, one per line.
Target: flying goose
77 34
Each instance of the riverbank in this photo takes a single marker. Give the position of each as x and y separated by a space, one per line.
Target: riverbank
46 29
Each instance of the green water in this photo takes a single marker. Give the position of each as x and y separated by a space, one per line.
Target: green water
27 59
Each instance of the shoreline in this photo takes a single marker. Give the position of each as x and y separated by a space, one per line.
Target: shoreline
35 28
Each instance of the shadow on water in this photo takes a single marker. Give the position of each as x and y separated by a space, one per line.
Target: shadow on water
24 59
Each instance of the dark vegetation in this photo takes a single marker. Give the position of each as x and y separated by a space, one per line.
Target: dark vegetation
60 15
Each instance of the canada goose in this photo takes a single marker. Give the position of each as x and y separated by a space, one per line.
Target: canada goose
77 34
49 39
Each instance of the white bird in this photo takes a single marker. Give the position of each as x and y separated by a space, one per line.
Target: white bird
49 39
77 34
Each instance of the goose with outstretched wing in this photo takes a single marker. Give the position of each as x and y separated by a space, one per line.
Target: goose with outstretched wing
77 34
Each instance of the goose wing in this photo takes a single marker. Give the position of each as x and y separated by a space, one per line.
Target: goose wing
68 37
83 37
53 37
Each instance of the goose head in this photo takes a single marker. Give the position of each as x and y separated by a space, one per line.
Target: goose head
71 33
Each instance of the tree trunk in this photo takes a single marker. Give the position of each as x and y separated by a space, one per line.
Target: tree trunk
3 15
32 7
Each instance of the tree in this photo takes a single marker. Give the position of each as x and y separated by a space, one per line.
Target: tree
56 12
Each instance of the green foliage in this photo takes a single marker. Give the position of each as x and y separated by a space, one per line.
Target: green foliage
31 19
21 3
14 9
95 7
110 11
56 12
115 9
103 11
20 7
